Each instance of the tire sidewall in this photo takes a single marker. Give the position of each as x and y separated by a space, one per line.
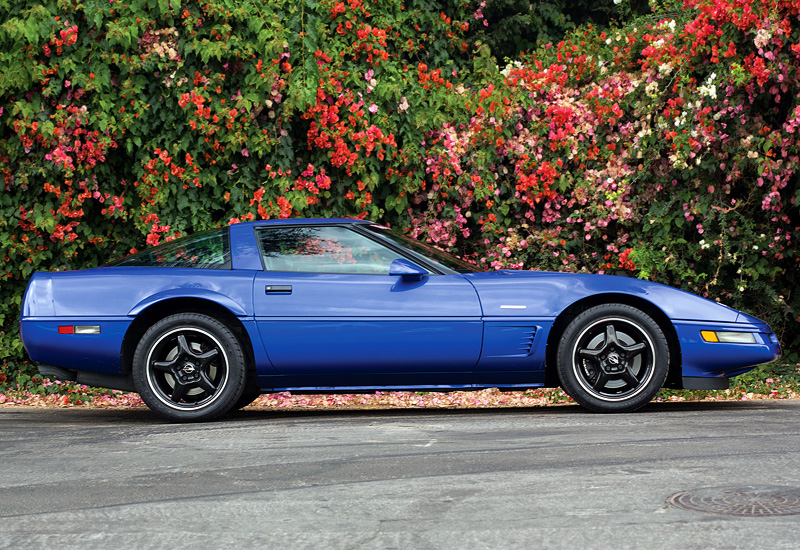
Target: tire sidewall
223 336
598 314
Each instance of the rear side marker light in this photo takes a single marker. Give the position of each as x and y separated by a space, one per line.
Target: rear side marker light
79 329
728 337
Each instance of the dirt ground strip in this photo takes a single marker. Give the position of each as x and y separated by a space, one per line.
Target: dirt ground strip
490 398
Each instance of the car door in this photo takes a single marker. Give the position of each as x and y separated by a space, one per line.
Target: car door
325 303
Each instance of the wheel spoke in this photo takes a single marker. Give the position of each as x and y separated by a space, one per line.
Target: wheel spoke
635 348
206 384
205 358
183 346
630 377
600 383
164 366
178 392
587 353
611 335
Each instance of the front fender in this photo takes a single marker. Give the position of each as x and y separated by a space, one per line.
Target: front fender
547 294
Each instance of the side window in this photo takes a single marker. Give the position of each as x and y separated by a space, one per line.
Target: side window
207 250
323 250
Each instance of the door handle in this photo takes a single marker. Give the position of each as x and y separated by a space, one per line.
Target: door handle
278 289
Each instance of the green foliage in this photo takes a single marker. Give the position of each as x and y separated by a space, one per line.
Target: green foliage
780 379
663 145
22 381
510 27
121 125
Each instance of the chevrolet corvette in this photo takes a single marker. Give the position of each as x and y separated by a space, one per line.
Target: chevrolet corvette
202 325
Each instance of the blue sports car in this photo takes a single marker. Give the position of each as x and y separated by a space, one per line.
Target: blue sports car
201 325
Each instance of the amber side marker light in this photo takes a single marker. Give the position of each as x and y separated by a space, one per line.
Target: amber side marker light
728 337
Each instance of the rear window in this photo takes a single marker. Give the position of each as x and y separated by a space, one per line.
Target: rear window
206 250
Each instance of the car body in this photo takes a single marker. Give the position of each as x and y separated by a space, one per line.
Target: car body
201 325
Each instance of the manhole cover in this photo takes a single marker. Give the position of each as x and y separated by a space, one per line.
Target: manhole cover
754 500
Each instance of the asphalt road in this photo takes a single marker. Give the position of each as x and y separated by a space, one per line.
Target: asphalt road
554 477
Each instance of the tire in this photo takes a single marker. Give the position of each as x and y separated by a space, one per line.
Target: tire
189 367
613 358
249 395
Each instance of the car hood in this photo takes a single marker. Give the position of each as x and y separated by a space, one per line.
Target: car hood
542 293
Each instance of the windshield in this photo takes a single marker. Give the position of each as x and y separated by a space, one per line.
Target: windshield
432 255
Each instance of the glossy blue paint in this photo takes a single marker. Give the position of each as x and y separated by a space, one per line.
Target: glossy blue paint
239 305
718 359
359 323
244 248
407 270
358 332
110 291
261 360
512 345
372 345
548 294
337 295
38 298
83 352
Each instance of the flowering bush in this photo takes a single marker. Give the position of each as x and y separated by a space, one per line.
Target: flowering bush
665 147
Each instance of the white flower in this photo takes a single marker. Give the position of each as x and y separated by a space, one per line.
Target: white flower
763 36
709 88
510 66
403 107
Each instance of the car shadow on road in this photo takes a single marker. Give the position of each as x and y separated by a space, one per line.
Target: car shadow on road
553 410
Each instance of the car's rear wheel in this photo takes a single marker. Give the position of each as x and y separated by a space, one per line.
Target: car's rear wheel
613 358
189 367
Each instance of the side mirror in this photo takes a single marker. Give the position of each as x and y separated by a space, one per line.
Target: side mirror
408 270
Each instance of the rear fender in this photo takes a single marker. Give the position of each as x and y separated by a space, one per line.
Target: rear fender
196 293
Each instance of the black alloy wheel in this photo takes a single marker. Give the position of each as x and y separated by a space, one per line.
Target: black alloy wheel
189 367
613 358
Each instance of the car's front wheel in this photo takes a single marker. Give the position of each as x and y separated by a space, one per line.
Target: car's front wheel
189 367
613 358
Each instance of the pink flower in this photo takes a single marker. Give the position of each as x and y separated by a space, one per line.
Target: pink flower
373 108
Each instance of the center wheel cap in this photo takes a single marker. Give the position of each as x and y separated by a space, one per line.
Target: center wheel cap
188 368
613 359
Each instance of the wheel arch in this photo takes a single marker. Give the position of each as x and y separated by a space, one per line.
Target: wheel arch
674 376
164 308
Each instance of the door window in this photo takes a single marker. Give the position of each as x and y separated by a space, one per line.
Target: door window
327 249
